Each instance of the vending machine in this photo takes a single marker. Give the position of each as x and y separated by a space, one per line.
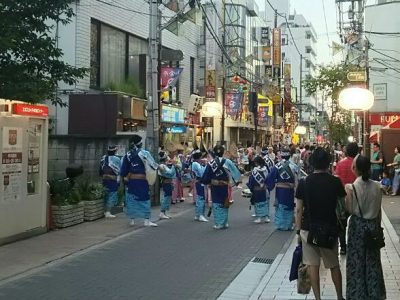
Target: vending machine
23 170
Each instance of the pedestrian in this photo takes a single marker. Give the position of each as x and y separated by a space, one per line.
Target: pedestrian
344 171
110 166
260 194
386 183
364 268
219 173
134 169
284 177
316 223
376 162
198 168
271 154
396 165
167 173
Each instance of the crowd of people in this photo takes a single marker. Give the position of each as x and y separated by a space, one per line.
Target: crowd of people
319 191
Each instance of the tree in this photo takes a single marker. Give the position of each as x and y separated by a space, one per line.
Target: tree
30 62
331 80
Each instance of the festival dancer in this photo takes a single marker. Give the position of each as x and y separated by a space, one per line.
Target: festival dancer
198 168
167 172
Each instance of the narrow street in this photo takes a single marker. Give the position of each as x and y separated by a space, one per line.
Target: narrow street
181 259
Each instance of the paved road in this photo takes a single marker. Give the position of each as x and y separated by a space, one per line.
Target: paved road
181 259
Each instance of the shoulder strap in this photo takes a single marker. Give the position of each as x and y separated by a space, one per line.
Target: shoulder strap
359 207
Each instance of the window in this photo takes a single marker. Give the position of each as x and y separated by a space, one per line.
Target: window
308 64
112 55
308 36
95 54
136 48
308 50
192 62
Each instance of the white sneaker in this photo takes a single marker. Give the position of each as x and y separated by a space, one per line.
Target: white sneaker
164 216
196 218
148 223
253 215
226 225
107 214
257 221
267 220
190 195
218 227
132 222
203 219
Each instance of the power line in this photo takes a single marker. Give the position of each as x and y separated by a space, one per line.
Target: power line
384 54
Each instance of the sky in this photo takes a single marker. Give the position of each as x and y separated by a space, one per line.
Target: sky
313 11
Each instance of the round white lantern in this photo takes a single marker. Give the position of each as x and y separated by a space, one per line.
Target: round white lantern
356 99
350 139
211 109
300 130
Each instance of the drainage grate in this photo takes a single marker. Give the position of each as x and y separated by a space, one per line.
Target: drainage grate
262 260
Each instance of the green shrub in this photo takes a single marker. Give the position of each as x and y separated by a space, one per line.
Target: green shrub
129 86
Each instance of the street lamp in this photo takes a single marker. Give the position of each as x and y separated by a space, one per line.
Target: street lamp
356 99
300 130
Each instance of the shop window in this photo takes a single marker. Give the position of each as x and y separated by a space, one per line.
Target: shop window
112 55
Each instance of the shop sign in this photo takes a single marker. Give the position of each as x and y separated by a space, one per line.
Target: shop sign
170 114
276 51
266 53
383 119
265 35
208 121
194 119
175 129
30 110
233 104
357 76
380 91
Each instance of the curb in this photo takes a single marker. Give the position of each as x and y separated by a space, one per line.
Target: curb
391 232
267 277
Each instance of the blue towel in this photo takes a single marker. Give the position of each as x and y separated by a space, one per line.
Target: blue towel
296 260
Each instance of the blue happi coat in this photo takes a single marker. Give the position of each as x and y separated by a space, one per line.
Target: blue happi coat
167 171
110 165
257 184
132 163
220 169
198 171
284 172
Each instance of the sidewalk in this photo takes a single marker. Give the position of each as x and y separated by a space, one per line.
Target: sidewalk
276 285
29 256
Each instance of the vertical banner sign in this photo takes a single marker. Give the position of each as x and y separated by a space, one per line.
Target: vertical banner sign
265 36
266 53
287 70
276 52
11 163
169 77
210 84
233 104
263 113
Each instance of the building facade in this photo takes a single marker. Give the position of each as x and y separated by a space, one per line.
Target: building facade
110 39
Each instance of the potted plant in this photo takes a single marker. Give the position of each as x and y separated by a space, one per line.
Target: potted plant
67 208
92 195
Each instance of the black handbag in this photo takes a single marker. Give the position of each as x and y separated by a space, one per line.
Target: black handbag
373 239
322 235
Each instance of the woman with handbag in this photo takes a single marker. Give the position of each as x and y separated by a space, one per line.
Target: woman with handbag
316 221
365 236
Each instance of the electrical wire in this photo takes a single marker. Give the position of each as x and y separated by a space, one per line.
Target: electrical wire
381 53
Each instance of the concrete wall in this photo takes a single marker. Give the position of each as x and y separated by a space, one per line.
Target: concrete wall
67 150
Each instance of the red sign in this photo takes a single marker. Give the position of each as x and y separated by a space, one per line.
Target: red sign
30 110
384 118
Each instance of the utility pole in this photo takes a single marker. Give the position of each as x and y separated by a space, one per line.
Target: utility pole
223 74
301 87
153 105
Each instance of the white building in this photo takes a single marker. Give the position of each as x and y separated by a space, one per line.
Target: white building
384 54
110 39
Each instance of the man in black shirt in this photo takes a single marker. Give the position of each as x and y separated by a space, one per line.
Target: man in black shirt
316 205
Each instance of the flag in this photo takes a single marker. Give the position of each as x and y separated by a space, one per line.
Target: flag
233 104
169 77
